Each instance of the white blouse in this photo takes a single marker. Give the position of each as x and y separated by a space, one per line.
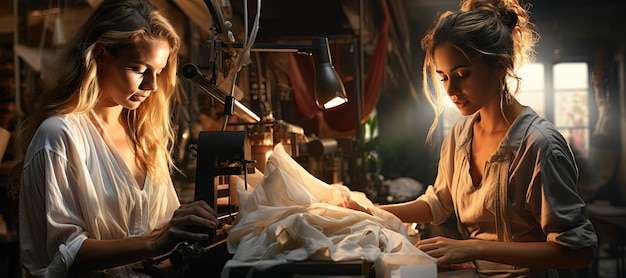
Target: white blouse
528 192
76 186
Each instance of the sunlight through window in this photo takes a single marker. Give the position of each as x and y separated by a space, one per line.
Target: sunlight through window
571 105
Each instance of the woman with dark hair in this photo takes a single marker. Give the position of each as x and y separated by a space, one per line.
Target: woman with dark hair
507 174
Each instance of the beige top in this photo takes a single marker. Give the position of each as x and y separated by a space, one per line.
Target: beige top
528 192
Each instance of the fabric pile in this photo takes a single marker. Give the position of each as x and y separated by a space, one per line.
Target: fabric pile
288 215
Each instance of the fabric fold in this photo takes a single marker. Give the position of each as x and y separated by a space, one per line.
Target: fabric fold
292 216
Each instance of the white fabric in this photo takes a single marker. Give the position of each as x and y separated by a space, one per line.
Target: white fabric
528 192
292 216
74 187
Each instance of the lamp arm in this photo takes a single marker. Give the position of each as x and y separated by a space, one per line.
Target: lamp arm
198 78
273 47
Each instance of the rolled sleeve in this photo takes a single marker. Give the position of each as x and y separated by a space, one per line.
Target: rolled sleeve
439 213
556 204
438 196
48 217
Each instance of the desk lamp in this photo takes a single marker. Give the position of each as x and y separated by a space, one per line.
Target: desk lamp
329 89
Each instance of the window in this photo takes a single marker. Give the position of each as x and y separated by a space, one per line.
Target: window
570 112
571 105
532 87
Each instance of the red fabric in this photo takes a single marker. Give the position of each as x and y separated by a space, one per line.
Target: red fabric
340 118
301 70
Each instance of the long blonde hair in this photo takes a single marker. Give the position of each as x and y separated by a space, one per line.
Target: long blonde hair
497 31
115 24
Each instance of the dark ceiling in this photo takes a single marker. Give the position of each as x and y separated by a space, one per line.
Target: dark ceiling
285 18
569 27
565 21
564 25
560 19
568 18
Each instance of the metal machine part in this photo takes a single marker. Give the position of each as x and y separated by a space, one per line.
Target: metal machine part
322 146
219 153
197 77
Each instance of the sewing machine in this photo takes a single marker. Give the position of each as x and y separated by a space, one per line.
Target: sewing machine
221 154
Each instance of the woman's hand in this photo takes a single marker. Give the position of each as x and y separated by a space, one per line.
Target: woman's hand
449 251
100 254
197 214
351 204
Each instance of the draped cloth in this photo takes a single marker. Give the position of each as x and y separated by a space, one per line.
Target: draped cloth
340 118
292 216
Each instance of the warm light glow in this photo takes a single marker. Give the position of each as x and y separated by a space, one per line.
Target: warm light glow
336 101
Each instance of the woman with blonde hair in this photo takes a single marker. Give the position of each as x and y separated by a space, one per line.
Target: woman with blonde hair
507 174
95 193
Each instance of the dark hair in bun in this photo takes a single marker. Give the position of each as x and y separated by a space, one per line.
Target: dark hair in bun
497 31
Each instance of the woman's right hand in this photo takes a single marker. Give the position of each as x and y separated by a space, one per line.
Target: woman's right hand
100 254
351 204
196 214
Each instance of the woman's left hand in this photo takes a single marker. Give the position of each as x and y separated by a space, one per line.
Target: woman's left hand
449 251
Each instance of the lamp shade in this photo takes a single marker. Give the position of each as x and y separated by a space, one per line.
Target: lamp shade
329 89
